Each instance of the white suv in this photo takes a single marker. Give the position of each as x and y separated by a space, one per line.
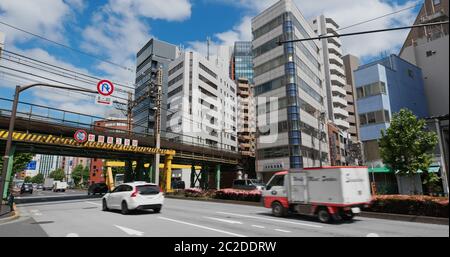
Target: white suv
134 196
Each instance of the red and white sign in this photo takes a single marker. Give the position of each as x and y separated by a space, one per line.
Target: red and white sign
105 88
135 143
103 100
101 139
91 138
80 136
127 142
118 141
110 140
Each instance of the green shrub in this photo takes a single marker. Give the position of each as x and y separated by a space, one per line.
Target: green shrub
419 205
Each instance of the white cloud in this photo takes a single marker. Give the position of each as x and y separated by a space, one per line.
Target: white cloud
43 17
346 12
78 5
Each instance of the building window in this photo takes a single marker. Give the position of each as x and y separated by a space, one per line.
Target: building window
410 73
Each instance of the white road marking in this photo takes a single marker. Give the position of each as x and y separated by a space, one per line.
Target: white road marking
276 220
281 230
224 220
130 231
372 235
256 226
94 203
204 227
72 235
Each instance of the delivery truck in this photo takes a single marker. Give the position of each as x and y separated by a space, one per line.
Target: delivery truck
329 193
59 186
48 184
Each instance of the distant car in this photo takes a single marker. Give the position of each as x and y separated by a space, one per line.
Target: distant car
26 188
178 184
134 196
97 188
40 186
248 184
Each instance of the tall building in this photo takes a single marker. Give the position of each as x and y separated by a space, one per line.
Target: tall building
48 163
150 58
202 102
242 61
351 63
246 125
333 67
290 92
383 88
427 47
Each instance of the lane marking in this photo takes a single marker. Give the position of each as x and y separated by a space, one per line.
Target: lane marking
94 203
204 227
72 235
224 220
130 231
284 231
257 226
269 219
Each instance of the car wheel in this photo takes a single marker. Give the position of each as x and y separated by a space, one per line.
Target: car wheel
323 215
124 208
157 210
104 205
278 210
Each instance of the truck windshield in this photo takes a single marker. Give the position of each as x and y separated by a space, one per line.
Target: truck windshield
256 182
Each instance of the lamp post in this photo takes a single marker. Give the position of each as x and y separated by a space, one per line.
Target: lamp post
12 121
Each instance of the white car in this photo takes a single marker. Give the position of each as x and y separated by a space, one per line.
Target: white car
134 196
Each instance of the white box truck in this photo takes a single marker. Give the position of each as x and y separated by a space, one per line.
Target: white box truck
48 184
59 186
329 193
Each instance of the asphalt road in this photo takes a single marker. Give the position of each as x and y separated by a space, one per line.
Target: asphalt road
183 218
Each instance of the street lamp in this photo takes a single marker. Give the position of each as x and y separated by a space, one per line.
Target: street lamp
12 121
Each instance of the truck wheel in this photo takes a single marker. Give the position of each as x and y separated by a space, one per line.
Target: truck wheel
104 205
348 216
278 209
323 215
124 208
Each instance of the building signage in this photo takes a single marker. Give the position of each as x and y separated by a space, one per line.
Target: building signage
135 143
110 140
118 141
273 166
80 136
91 138
127 142
101 139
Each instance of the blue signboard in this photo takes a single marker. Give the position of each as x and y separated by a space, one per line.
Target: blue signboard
31 165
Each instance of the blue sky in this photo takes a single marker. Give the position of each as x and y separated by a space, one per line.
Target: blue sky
115 29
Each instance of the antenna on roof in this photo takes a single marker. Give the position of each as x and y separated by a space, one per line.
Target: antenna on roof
208 43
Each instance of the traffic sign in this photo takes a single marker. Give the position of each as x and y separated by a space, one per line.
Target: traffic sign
80 136
103 100
105 87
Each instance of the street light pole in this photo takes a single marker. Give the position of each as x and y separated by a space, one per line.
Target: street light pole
157 127
12 121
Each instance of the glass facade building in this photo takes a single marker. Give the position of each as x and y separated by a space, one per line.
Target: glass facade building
242 67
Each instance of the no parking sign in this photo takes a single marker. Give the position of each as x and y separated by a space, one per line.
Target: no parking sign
105 88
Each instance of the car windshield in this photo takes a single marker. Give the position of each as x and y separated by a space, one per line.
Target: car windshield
148 190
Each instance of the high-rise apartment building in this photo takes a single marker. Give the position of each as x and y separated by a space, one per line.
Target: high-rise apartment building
202 102
427 47
333 66
154 55
246 125
351 63
290 92
242 61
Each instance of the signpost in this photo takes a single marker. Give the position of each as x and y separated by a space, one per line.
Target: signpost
105 89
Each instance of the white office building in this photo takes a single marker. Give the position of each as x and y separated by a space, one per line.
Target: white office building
201 102
48 163
293 75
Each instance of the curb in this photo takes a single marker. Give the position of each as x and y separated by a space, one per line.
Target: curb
15 216
55 198
376 215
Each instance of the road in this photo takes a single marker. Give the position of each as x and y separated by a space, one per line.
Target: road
183 218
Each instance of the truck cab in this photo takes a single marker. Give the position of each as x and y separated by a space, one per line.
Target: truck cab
329 193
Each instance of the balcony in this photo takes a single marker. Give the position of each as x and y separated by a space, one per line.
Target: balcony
343 124
336 70
334 40
339 90
340 101
340 112
335 49
337 80
335 58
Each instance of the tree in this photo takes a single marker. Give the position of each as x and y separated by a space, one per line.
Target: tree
27 179
20 162
38 179
80 174
406 145
57 174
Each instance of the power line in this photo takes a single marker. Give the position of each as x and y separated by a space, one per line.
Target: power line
65 69
66 46
362 32
379 17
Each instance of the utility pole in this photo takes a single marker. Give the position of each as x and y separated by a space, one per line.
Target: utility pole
157 127
319 122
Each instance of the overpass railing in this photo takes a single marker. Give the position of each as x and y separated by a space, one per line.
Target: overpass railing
46 114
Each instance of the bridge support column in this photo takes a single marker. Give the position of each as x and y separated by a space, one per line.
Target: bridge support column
204 177
128 177
109 179
218 176
193 176
139 170
168 173
9 172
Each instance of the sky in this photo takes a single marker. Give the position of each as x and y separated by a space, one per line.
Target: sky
114 30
